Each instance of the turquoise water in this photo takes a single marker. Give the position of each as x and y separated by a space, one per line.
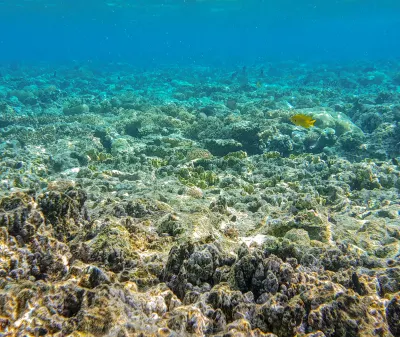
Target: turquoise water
216 32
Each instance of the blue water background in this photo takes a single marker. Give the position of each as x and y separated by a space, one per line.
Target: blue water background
198 32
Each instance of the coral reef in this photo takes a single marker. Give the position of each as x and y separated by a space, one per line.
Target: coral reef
135 206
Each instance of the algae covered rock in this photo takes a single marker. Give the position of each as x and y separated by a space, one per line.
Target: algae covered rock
191 265
315 224
65 211
299 236
260 275
393 315
34 253
19 214
246 133
282 319
221 147
171 225
281 143
78 109
112 246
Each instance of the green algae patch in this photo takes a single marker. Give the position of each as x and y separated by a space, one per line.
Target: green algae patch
99 156
299 236
78 109
198 153
197 177
176 142
271 155
114 247
170 225
237 155
158 162
248 188
309 221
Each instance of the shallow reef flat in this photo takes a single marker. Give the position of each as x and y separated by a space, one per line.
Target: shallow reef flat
182 201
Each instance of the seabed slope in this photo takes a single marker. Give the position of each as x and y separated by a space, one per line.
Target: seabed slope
183 201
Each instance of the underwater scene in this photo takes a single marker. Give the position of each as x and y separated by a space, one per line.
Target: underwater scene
221 168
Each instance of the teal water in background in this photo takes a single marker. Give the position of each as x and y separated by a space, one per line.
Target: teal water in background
198 31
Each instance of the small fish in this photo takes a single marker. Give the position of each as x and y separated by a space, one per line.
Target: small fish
231 103
289 105
369 69
302 120
258 84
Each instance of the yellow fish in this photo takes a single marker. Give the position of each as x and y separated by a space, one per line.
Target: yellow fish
302 120
258 84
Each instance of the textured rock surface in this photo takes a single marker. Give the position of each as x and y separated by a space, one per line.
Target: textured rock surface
143 214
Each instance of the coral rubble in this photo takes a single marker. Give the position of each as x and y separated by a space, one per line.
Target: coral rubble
135 206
